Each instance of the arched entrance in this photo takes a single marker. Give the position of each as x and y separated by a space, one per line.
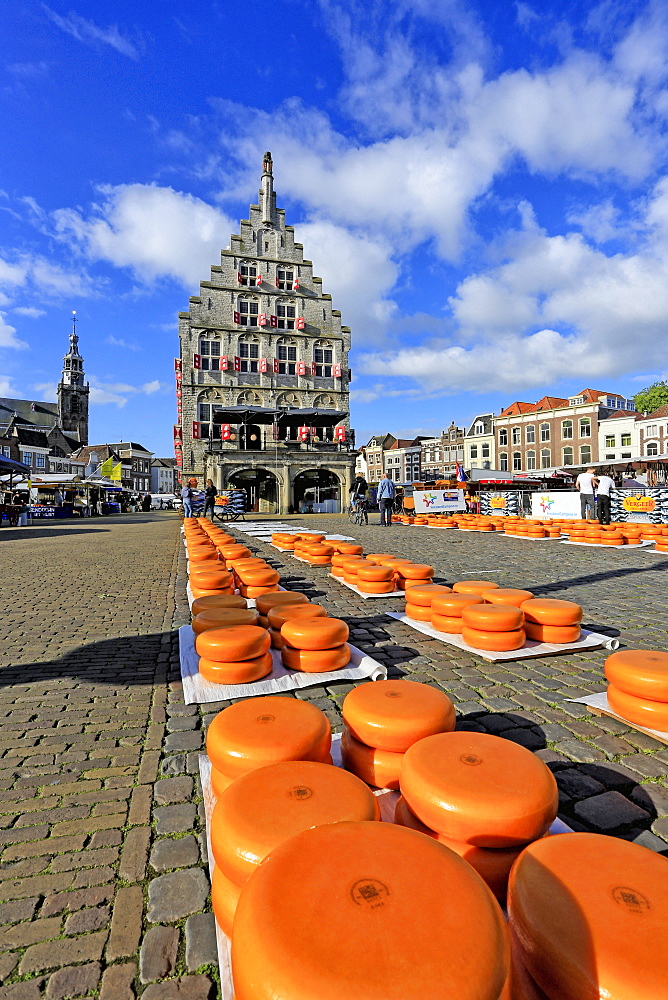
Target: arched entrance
261 488
318 487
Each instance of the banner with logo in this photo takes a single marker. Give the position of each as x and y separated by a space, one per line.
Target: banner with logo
438 501
494 503
557 503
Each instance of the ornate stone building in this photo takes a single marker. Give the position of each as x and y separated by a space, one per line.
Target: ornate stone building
262 381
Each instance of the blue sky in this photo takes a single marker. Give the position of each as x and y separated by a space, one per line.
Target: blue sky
482 187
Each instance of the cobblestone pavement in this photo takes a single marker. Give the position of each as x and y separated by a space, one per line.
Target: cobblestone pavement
103 890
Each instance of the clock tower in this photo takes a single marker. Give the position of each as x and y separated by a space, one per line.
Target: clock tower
73 392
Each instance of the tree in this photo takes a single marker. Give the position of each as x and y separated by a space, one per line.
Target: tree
651 398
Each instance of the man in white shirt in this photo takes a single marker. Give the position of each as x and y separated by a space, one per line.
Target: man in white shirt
585 484
603 486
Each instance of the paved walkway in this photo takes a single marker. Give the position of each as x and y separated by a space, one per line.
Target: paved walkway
103 889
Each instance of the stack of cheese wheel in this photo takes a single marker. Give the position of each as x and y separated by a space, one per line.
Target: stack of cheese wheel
279 614
318 553
374 557
373 579
210 618
285 542
419 600
482 796
235 654
266 807
588 917
232 552
255 580
216 601
547 619
348 548
337 564
207 575
496 627
474 586
266 601
638 687
265 730
413 574
506 595
369 911
314 645
535 530
662 542
350 565
382 719
631 534
446 611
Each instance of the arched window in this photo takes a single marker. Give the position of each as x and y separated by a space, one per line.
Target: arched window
567 428
503 436
323 357
503 462
285 314
209 350
585 454
531 460
248 349
248 311
567 456
325 402
247 272
74 404
286 349
531 434
652 448
545 432
517 461
517 435
285 278
289 400
249 398
545 458
585 427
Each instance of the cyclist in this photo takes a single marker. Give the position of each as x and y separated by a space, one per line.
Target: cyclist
358 492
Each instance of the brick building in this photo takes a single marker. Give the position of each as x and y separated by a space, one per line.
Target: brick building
653 434
440 454
263 377
402 460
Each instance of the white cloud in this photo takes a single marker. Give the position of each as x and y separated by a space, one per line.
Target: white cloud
45 275
7 335
90 33
47 390
12 274
31 311
154 231
103 392
119 342
150 387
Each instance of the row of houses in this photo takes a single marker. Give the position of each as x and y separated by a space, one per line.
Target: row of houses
547 437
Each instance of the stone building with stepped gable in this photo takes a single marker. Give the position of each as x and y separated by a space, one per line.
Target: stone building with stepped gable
262 382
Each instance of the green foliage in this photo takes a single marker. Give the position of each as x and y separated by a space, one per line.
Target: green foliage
652 397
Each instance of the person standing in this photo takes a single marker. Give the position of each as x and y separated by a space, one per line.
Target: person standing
585 484
209 497
358 492
385 496
187 497
603 486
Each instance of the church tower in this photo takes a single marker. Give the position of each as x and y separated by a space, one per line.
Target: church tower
73 392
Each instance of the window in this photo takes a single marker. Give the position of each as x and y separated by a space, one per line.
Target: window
517 461
626 454
531 434
479 429
650 431
209 355
248 272
567 456
653 448
585 427
567 428
248 312
503 436
6 450
626 440
517 435
576 399
204 417
285 278
545 434
485 451
287 357
474 451
286 316
610 455
609 440
26 457
503 462
249 353
545 459
531 460
585 454
323 355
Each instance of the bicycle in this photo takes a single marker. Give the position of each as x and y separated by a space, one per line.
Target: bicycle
358 511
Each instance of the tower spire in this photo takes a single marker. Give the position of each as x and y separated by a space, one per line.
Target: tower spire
73 391
267 189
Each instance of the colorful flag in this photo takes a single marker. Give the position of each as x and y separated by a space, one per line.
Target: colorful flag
106 467
115 474
461 475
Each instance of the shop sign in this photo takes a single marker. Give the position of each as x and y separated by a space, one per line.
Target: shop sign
438 501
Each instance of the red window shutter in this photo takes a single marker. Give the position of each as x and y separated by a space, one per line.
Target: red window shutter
195 430
314 369
276 281
301 368
336 371
339 433
258 279
179 393
225 432
224 363
299 323
295 285
197 361
273 321
262 365
239 277
302 434
178 364
262 319
236 317
237 364
277 366
179 378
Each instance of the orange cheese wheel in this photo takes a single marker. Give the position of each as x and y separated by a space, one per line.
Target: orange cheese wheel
235 552
366 587
474 586
258 577
418 613
252 562
611 540
500 642
235 671
271 804
236 642
277 640
224 900
316 661
452 605
349 548
424 593
479 789
338 559
315 633
198 592
549 611
521 986
212 579
395 714
552 633
221 601
319 550
319 560
267 601
282 613
204 556
379 768
393 561
493 617
255 592
640 672
259 731
219 782
222 618
373 557
589 917
506 596
641 711
375 574
380 922
416 571
446 623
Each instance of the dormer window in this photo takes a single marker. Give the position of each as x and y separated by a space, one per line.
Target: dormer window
285 278
479 428
247 273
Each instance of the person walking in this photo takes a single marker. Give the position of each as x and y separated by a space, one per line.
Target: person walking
603 486
385 496
585 484
209 497
187 497
358 492
146 503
